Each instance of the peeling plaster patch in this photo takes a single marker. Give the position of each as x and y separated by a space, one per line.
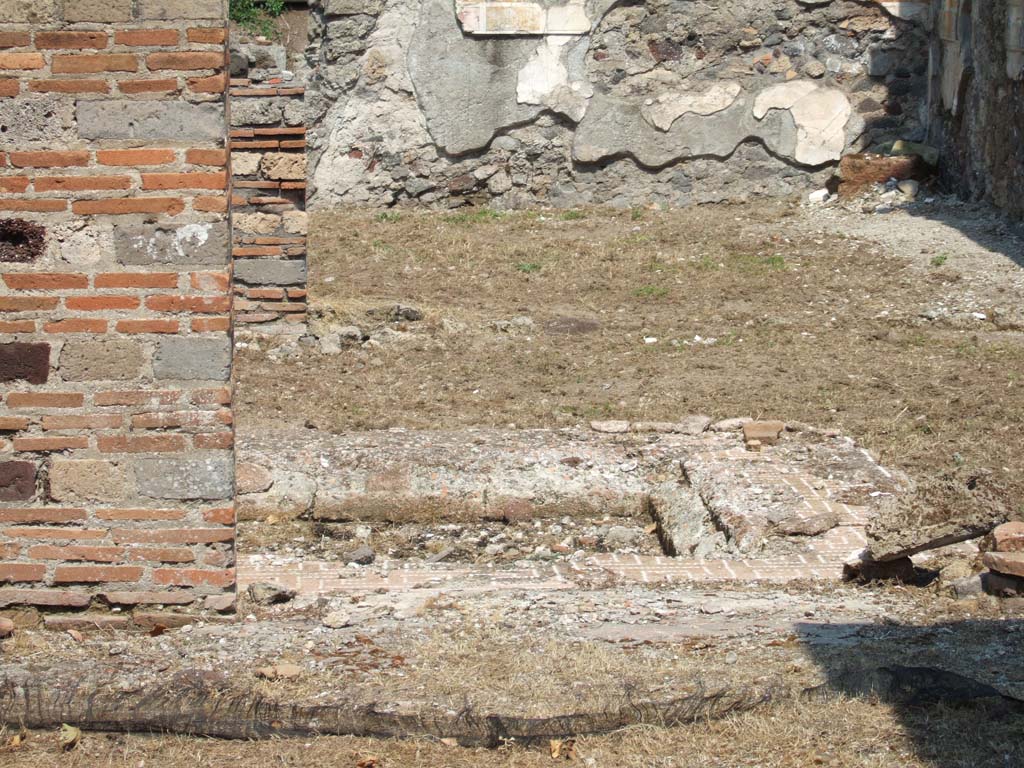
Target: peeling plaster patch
522 18
544 81
820 114
669 107
908 10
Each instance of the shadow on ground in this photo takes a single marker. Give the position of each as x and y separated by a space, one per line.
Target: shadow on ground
973 665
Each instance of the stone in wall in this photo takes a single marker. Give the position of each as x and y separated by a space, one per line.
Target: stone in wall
425 101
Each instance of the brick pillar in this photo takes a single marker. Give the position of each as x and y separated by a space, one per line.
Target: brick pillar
268 162
116 440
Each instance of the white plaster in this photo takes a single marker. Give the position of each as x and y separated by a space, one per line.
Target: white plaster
492 17
669 107
544 80
907 10
820 115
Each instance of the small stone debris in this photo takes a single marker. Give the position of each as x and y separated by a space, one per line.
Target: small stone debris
279 672
270 594
437 557
337 620
814 525
764 432
610 427
361 556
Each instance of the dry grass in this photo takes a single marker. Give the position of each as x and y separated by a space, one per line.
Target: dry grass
798 320
837 734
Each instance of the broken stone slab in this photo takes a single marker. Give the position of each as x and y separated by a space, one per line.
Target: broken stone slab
938 513
1006 563
862 567
1008 537
610 427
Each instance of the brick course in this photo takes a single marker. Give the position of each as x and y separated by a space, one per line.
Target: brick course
116 473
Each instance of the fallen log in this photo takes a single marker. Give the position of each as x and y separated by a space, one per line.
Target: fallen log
193 706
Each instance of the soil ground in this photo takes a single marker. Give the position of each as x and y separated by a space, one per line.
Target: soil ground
904 330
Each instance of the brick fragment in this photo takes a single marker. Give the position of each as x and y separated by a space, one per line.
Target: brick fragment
76 552
135 157
207 35
211 84
17 481
15 572
17 39
81 183
28 303
101 303
45 400
147 326
15 184
141 443
45 281
214 441
90 421
50 159
171 206
93 574
34 206
14 423
193 577
78 40
216 157
76 325
93 63
146 37
68 86
194 304
49 444
137 280
161 555
198 180
148 598
140 514
137 397
17 326
147 86
41 515
86 622
49 598
185 60
20 361
22 61
9 88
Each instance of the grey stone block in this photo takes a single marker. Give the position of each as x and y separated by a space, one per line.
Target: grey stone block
193 359
256 111
183 9
108 360
270 272
196 243
31 11
98 10
150 120
41 120
352 7
209 477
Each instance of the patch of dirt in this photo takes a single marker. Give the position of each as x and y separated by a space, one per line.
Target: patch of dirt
900 330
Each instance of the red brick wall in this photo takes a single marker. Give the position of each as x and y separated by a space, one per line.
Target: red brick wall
116 441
